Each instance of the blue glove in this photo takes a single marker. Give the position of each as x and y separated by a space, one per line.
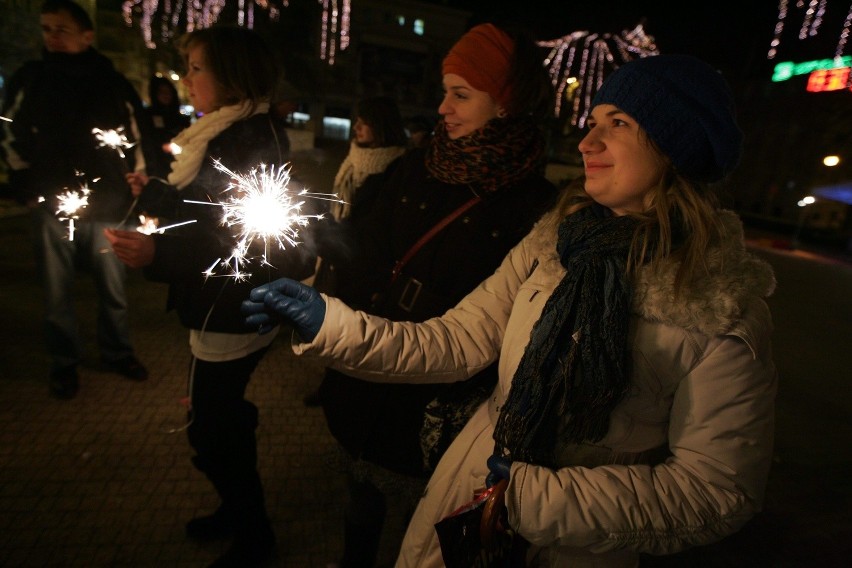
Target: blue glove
499 468
288 301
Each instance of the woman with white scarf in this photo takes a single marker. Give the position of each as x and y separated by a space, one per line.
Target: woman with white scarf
378 141
230 76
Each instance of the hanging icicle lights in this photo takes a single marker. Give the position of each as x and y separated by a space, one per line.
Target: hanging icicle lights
579 62
335 27
176 16
811 22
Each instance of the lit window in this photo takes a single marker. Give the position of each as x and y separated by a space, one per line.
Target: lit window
418 26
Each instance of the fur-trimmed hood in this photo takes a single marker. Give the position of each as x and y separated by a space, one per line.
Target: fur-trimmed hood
711 305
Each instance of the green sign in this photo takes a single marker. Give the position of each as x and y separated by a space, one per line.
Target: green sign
788 69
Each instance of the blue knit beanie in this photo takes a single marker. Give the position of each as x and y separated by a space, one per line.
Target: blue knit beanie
686 108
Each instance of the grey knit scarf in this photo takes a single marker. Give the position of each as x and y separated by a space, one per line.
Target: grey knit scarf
574 369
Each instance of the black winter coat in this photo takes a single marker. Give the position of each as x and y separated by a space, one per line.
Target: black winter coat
184 253
381 422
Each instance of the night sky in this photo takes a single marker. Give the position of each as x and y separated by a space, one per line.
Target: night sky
731 35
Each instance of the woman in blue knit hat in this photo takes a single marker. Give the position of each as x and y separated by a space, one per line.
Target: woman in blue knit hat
635 408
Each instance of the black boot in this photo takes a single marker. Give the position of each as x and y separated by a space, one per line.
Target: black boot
254 540
250 549
218 526
363 521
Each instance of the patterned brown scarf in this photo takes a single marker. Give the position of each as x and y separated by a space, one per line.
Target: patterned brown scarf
503 152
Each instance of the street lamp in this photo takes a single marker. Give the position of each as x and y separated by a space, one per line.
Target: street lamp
802 203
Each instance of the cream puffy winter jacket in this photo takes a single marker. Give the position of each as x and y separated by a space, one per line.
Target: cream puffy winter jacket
687 454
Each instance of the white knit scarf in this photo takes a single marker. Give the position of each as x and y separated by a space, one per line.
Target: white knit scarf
358 164
193 140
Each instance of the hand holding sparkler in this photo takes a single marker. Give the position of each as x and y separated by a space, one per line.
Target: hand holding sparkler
285 300
137 182
133 248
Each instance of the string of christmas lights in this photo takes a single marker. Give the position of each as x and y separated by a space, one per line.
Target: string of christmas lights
197 14
579 62
814 14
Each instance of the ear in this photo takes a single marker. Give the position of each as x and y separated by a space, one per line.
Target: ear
501 112
89 37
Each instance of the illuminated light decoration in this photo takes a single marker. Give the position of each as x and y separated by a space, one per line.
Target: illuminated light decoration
812 19
829 80
262 208
335 28
811 24
844 34
579 62
787 69
195 14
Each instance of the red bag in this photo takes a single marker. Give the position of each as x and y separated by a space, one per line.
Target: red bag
476 535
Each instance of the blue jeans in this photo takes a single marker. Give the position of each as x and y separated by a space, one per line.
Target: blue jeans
57 257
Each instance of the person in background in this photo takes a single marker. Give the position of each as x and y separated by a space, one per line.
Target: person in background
635 408
167 121
54 104
230 76
472 194
419 130
378 141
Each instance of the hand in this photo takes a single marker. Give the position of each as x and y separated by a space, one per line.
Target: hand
285 300
133 248
137 182
499 467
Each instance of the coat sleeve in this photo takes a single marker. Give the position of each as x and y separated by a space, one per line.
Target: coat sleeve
444 349
720 440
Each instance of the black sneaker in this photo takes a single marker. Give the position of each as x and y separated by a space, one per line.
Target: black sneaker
129 367
64 383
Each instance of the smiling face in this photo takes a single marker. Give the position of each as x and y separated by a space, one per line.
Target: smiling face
621 165
464 108
200 83
62 34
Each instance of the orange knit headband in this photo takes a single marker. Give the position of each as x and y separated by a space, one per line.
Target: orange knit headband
482 57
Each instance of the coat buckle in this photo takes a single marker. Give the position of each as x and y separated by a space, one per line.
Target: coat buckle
409 294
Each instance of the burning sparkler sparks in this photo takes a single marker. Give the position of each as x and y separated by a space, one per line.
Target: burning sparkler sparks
71 203
262 207
150 225
114 138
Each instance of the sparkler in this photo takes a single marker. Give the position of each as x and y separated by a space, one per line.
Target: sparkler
262 208
6 119
114 138
150 225
71 203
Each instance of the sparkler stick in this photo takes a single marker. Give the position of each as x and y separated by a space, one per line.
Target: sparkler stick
262 208
148 225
